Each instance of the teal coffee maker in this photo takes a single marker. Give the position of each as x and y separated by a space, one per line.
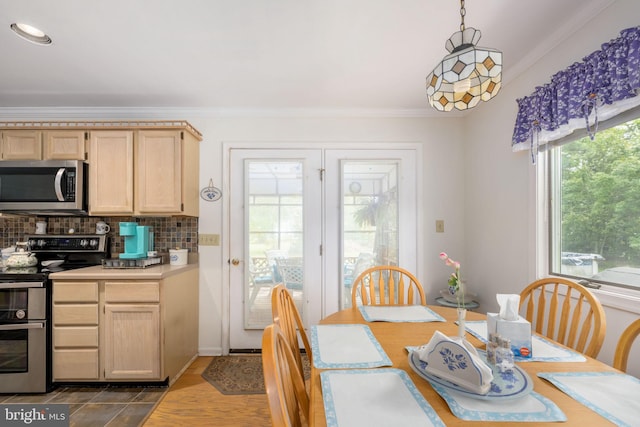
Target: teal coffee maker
136 240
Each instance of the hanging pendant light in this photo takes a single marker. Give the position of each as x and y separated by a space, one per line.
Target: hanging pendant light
468 75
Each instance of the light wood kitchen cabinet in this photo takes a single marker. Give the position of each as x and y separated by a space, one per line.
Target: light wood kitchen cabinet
137 330
75 331
111 172
21 145
64 145
166 173
148 168
131 347
156 173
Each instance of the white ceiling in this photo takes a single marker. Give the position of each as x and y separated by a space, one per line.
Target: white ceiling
242 55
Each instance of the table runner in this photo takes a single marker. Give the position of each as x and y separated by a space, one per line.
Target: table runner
346 346
613 395
408 313
374 398
544 350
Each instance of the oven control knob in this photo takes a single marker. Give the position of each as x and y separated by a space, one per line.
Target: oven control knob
84 242
20 314
42 243
93 243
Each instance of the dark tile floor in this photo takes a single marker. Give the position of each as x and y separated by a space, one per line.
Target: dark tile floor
98 406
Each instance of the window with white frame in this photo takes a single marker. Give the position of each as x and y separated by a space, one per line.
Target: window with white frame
594 203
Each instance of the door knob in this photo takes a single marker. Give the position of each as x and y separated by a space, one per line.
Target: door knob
235 261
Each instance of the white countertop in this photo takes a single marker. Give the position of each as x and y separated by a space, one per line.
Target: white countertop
97 272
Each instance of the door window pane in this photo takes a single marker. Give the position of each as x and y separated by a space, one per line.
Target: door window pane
275 235
370 218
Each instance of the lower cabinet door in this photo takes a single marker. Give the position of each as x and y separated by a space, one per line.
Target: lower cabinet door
132 342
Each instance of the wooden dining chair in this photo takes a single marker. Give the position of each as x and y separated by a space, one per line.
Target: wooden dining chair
387 285
287 317
625 342
284 383
566 312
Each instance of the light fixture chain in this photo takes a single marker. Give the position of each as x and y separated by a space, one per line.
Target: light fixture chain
463 12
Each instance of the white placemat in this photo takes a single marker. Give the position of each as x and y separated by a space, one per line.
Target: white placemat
544 350
407 313
613 395
346 346
374 398
531 408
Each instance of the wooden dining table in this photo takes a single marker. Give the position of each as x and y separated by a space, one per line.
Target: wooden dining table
395 336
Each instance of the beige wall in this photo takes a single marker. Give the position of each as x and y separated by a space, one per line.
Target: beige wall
441 141
499 184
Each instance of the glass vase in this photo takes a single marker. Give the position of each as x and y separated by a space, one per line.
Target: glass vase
462 315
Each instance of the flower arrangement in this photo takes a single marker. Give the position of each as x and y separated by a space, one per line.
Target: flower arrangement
455 282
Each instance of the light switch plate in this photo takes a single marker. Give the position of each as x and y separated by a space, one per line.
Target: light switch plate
439 226
209 239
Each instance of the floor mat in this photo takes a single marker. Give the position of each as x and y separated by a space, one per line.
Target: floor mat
240 374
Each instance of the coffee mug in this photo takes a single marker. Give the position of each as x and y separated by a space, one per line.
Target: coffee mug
41 227
102 228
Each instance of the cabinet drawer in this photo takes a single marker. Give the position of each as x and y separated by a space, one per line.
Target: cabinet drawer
75 365
75 314
75 291
132 292
75 336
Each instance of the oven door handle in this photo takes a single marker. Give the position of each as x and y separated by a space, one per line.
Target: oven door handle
18 285
20 326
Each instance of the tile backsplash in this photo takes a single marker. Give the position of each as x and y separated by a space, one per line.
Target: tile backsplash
169 233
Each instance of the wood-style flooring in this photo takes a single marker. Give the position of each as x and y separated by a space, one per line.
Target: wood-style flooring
192 401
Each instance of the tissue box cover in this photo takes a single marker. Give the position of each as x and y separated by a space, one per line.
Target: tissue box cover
518 331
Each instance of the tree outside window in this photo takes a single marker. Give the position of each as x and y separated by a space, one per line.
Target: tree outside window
595 207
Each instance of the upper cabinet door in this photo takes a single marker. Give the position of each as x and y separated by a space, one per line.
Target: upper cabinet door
64 145
158 172
111 172
21 145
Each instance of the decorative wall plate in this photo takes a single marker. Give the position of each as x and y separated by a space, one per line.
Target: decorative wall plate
210 193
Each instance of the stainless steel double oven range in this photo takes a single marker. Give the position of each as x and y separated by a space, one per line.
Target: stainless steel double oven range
26 307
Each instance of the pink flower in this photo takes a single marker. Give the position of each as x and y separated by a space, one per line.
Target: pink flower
454 279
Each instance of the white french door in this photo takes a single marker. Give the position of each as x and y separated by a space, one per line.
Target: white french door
371 216
312 219
275 237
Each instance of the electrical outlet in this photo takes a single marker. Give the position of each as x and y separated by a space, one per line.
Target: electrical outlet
209 239
439 226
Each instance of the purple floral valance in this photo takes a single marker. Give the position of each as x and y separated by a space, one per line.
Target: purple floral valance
602 79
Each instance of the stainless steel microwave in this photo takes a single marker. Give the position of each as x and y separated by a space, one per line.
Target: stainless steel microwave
46 187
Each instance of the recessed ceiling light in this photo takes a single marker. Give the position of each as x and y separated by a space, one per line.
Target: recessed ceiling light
31 34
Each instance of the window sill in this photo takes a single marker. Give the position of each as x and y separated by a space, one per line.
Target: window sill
620 298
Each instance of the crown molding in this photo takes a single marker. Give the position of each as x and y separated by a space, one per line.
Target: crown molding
125 113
